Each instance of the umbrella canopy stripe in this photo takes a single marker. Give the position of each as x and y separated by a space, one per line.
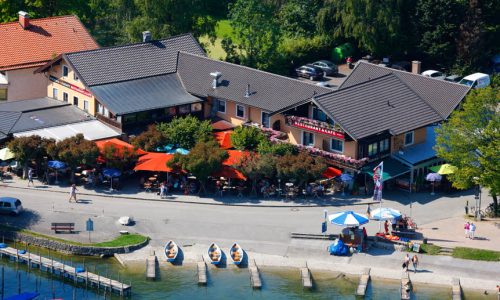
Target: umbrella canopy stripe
347 218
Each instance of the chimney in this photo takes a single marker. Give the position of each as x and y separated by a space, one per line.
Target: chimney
416 67
247 92
24 19
146 36
216 76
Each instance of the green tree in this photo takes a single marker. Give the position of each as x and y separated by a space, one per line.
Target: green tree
437 23
301 168
186 131
150 139
246 137
256 27
119 158
29 148
276 149
205 158
76 151
470 140
297 18
256 167
470 42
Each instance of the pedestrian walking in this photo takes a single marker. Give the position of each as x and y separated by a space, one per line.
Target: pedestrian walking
369 211
30 177
414 261
163 190
386 227
472 230
466 229
406 262
72 193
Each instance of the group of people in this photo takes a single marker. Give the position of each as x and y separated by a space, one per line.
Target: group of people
470 230
413 260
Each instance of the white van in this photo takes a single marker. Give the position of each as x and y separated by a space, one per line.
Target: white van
476 80
9 205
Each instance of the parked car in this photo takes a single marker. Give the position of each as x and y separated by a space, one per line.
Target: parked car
9 205
327 66
434 74
325 84
309 71
453 78
476 80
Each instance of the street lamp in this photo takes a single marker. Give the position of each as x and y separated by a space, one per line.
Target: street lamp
477 197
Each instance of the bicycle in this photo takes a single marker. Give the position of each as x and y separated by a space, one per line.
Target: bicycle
482 213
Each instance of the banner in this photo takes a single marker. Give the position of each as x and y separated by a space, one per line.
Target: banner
377 180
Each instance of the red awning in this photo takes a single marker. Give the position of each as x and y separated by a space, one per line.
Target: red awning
229 172
224 139
156 162
119 146
331 172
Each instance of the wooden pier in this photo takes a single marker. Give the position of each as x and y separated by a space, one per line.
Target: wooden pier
91 279
456 289
363 282
306 277
202 272
254 275
405 286
151 266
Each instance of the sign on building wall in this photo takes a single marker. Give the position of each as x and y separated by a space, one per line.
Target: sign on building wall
70 86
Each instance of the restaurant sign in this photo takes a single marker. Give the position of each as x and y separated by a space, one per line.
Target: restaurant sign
70 86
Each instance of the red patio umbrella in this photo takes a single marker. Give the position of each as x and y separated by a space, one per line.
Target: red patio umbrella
229 172
331 172
234 157
224 139
119 146
156 162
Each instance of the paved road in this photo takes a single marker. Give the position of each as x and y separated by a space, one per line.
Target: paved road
264 228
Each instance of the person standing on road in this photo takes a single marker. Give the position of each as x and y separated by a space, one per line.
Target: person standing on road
472 230
30 177
406 262
466 228
72 193
414 260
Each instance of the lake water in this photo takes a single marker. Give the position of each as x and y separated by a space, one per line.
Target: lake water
180 282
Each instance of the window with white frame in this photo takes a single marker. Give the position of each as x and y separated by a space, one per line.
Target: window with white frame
372 149
307 138
65 71
409 138
75 101
54 93
240 111
85 105
100 109
265 118
337 145
221 106
65 97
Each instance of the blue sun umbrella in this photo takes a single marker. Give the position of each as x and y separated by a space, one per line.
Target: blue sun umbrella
385 213
111 173
345 177
347 218
55 164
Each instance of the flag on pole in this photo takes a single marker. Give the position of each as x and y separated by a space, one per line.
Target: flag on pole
378 172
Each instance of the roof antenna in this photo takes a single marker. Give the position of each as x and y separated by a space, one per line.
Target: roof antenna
247 92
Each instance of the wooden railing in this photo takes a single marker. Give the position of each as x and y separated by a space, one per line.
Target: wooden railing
109 121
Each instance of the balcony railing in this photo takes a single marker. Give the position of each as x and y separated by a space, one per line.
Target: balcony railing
109 121
315 126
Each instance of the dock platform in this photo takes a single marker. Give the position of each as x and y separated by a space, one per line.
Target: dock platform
151 266
202 272
305 274
405 286
456 289
50 265
254 275
363 282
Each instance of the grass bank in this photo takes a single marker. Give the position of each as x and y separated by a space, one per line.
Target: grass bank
120 241
430 249
476 254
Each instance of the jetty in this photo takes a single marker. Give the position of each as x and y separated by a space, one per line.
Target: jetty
306 277
254 275
202 272
151 266
405 286
77 274
456 289
363 282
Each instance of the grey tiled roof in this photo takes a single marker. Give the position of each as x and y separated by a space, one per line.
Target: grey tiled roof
31 104
133 61
268 91
143 94
443 96
7 120
384 103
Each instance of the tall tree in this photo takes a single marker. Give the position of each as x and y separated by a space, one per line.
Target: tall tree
256 167
470 140
470 41
297 18
301 168
76 151
256 27
150 139
186 131
246 138
29 148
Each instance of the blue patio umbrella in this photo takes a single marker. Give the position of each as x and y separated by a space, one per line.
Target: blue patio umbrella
55 164
182 151
111 173
24 296
348 218
345 177
165 148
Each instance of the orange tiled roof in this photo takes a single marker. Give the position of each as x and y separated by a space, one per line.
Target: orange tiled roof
22 48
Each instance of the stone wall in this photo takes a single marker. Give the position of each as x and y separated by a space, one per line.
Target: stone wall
68 248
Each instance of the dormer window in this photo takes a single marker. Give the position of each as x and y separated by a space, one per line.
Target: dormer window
65 71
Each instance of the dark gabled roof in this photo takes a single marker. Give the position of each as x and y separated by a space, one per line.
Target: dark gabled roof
443 96
384 103
128 62
268 91
20 116
143 94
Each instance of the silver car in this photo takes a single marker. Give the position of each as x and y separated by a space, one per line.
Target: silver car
327 66
11 206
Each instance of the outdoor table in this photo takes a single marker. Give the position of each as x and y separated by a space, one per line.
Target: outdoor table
152 179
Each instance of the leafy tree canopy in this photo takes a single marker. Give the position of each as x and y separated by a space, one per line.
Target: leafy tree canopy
277 149
150 139
76 151
246 138
301 168
28 148
186 131
256 167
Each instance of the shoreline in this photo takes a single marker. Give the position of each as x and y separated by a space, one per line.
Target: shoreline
316 263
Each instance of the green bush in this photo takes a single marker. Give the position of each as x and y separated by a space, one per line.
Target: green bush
246 138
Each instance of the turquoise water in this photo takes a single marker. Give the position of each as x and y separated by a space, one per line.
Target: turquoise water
180 282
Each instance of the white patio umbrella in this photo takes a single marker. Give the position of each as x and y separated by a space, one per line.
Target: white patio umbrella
433 177
385 213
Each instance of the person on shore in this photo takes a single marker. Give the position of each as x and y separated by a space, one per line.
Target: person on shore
406 262
466 228
72 193
30 177
498 291
163 190
369 211
386 227
414 261
472 230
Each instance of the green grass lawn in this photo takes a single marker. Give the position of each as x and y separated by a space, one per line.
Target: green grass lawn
215 50
223 29
476 254
430 249
120 241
